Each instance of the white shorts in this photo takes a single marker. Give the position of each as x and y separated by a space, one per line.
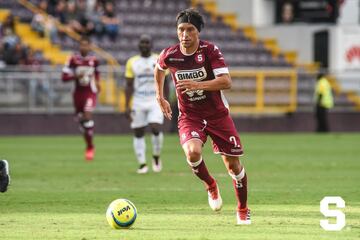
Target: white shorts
143 114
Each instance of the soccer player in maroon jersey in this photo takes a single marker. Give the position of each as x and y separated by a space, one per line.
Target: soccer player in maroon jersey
199 73
83 70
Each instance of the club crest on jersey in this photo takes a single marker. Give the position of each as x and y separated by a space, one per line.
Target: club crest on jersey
199 58
192 74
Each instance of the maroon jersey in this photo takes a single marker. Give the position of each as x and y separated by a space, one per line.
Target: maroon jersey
84 71
203 65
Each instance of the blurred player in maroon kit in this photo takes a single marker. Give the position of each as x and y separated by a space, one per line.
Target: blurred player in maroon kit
82 69
199 73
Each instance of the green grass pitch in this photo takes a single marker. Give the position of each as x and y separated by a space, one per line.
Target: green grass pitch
55 194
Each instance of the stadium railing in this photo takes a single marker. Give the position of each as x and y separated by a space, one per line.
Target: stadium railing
40 89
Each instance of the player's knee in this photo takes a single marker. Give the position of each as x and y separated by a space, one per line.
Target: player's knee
193 154
139 132
155 128
87 124
233 167
155 131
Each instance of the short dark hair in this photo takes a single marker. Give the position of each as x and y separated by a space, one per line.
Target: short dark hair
192 13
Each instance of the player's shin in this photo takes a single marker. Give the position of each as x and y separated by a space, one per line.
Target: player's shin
87 127
140 149
240 186
200 170
157 143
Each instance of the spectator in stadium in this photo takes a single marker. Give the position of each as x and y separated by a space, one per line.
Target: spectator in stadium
287 12
14 55
83 70
73 17
199 73
44 24
60 16
111 21
40 88
38 21
4 175
95 17
8 25
324 102
87 25
145 111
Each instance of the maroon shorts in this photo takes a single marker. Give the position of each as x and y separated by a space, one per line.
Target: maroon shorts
84 102
222 131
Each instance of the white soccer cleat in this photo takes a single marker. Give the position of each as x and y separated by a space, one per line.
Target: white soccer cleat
215 200
243 217
156 167
143 170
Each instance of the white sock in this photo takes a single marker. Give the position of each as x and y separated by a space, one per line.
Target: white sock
194 164
157 143
140 148
238 177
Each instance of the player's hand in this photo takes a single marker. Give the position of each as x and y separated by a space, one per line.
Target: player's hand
187 85
80 75
98 87
165 107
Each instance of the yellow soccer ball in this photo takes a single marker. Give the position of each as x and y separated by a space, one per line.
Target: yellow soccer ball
121 213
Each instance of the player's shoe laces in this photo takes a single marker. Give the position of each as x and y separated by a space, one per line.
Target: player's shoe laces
4 175
243 216
156 165
89 154
142 169
214 197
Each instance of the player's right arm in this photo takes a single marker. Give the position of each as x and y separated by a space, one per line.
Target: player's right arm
129 87
159 75
68 73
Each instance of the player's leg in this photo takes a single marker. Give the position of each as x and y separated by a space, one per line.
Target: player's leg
157 139
140 149
87 124
238 174
156 119
138 124
4 175
226 142
84 105
193 152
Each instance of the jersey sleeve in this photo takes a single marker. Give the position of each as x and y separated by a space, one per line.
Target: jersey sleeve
161 61
68 72
129 73
217 61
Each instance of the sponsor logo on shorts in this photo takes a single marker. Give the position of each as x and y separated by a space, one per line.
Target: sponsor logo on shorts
195 134
235 150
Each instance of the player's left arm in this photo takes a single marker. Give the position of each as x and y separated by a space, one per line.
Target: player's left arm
97 76
221 82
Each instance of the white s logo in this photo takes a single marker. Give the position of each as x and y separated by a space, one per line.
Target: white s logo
339 215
